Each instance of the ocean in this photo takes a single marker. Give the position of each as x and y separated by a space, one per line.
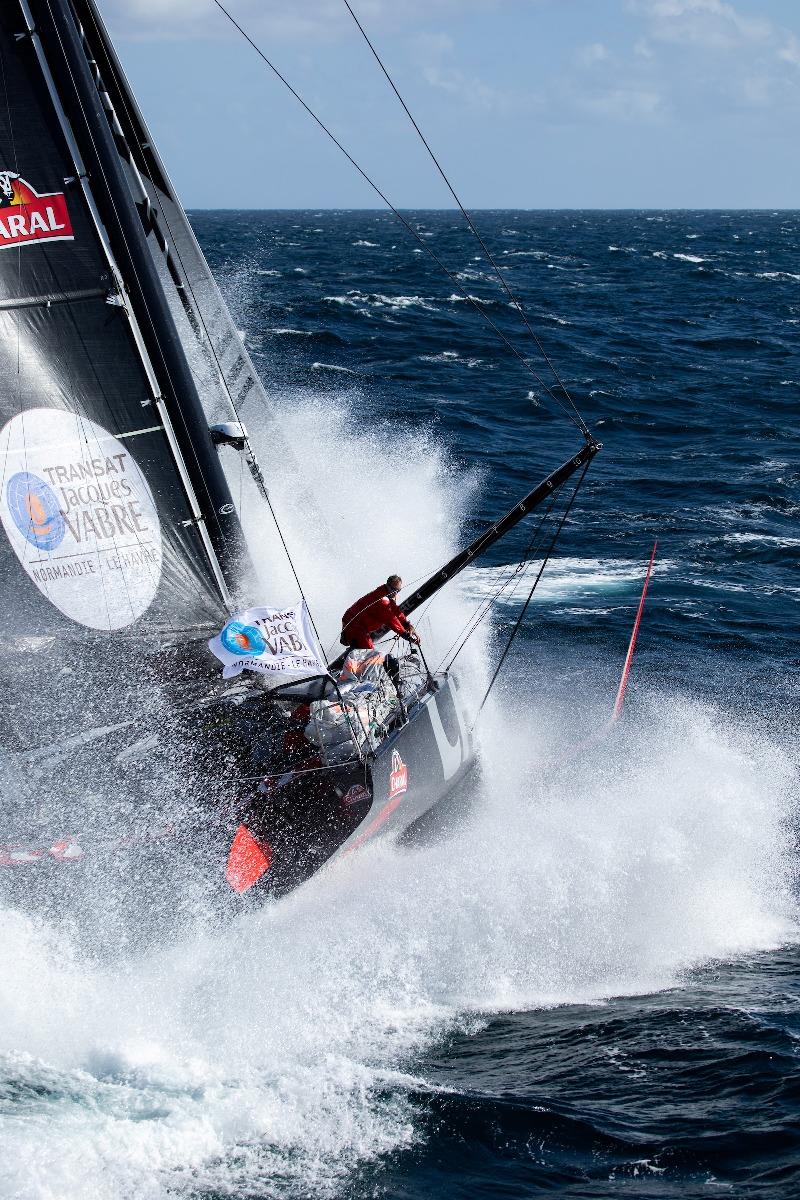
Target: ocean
587 983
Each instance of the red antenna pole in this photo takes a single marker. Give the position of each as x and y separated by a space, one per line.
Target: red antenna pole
626 670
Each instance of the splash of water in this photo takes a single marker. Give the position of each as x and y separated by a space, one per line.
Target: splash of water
278 1054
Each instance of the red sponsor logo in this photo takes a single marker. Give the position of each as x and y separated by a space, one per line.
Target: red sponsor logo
398 777
26 216
357 794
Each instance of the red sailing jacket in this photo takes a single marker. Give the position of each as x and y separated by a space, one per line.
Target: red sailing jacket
372 612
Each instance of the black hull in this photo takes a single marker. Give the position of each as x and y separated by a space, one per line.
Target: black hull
177 857
328 816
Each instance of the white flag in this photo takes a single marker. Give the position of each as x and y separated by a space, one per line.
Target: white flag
277 642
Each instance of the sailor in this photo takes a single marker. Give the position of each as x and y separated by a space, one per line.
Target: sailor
373 612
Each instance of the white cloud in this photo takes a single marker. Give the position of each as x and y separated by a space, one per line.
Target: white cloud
757 90
468 89
723 50
714 24
289 20
624 103
202 18
596 52
434 46
790 52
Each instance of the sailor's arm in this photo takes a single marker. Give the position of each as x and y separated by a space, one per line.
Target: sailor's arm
401 624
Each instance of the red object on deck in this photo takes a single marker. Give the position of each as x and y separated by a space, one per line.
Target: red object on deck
248 860
369 614
626 670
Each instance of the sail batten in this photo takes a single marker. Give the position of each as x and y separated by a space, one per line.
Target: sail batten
51 298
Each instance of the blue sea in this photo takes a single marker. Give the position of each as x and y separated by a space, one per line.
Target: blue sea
588 984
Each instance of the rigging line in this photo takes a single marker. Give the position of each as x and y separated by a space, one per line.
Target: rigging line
514 577
539 574
277 525
276 774
495 266
514 571
485 607
291 564
475 620
577 421
337 641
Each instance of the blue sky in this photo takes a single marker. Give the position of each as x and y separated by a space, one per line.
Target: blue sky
529 103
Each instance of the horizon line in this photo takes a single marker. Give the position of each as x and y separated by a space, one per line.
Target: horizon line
766 208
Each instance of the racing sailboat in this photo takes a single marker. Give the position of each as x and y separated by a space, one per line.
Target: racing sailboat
123 554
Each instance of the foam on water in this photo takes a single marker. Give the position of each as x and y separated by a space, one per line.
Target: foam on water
276 1056
365 302
564 578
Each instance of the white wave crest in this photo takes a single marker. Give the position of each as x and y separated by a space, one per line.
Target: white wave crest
368 301
320 366
275 1057
563 579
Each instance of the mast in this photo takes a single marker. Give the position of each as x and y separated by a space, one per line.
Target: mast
61 44
166 224
224 375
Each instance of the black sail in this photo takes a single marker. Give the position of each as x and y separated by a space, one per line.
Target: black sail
119 541
100 530
229 380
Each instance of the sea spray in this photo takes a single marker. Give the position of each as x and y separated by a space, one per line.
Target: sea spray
387 500
278 1052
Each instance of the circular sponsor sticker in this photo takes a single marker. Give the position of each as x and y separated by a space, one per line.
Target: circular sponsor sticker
239 638
80 517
